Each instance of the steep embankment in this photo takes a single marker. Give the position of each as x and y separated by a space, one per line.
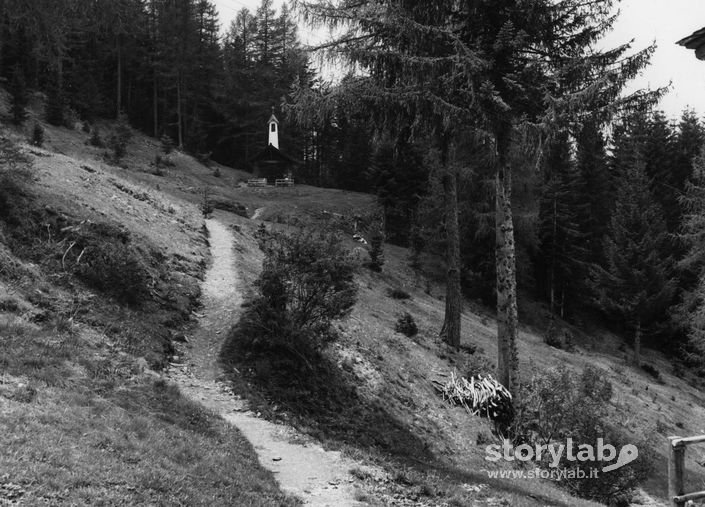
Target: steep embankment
98 276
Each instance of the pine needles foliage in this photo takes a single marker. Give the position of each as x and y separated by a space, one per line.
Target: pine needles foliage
637 282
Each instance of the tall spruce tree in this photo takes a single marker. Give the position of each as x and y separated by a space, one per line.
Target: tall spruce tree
660 157
563 244
645 137
413 63
636 283
598 185
689 314
689 140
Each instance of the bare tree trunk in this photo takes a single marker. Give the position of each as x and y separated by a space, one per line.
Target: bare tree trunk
130 88
562 301
179 112
637 343
155 94
155 101
507 316
450 332
60 72
118 102
552 305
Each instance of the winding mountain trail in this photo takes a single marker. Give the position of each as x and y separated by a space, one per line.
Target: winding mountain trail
306 470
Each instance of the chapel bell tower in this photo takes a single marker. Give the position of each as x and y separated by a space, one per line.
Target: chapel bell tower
273 129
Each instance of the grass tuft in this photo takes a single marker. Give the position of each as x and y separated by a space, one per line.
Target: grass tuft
397 293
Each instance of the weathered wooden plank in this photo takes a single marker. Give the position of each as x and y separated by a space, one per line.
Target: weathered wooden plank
676 468
683 499
676 441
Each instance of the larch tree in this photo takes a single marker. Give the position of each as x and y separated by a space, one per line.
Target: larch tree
505 69
240 40
544 75
266 32
286 40
413 71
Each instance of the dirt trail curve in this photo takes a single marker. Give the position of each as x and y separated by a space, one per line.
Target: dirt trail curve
316 476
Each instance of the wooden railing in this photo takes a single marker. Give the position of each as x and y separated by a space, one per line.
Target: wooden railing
676 471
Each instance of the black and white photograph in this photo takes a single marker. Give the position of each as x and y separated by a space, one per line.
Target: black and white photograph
347 253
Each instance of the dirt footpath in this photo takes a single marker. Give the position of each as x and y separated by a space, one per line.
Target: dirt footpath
317 476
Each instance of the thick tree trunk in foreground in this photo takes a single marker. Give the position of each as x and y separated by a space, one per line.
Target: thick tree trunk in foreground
450 332
507 318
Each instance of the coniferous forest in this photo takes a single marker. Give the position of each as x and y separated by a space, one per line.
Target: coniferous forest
165 64
494 134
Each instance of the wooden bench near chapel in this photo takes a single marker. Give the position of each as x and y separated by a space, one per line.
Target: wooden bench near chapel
284 182
257 182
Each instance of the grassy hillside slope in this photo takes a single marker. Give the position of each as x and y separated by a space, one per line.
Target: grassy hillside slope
400 413
389 415
98 277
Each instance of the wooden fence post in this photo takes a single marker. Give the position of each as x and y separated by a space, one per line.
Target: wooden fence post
676 467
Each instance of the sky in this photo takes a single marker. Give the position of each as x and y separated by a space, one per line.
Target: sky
644 21
666 22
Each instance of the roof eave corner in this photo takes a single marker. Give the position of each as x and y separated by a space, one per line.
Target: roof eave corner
695 41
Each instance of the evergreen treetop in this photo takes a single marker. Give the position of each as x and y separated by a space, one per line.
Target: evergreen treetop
636 281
